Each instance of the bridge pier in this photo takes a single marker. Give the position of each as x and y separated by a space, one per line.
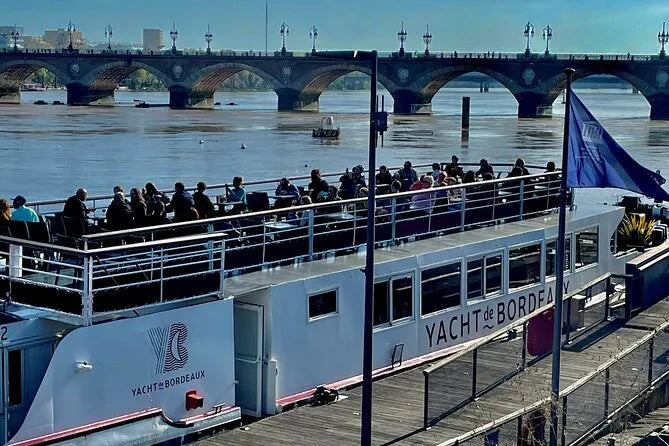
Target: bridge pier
78 94
293 100
410 103
659 106
10 96
534 105
181 97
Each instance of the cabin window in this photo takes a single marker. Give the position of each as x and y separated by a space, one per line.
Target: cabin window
322 304
551 256
484 276
440 288
393 299
15 377
524 266
587 247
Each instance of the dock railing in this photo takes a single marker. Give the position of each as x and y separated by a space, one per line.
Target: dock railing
509 347
87 285
600 402
280 236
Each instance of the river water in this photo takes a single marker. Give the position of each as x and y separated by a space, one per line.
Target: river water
49 151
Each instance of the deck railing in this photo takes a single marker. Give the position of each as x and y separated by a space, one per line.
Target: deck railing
87 285
509 346
600 402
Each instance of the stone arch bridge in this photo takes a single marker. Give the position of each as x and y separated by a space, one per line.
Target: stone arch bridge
299 80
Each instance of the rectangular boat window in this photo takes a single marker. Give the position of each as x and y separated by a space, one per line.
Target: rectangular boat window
440 288
524 266
474 279
15 377
493 274
322 303
587 247
402 297
381 303
551 252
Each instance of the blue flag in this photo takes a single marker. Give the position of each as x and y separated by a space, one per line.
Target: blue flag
597 160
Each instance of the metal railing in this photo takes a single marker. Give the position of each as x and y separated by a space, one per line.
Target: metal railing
454 382
93 283
599 402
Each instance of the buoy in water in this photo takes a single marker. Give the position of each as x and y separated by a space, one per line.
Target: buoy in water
243 147
202 141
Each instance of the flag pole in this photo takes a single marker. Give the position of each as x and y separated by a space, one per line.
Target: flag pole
559 273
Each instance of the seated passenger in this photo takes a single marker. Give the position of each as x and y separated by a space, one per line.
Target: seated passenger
470 177
119 214
358 177
286 194
5 211
550 167
203 205
75 206
383 180
425 201
138 207
237 195
158 217
406 176
22 212
118 188
453 169
520 163
484 168
181 203
436 170
347 188
317 184
152 197
303 215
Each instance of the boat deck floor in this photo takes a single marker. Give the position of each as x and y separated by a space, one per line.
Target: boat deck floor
398 399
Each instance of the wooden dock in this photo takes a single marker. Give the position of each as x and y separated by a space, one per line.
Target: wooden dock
398 399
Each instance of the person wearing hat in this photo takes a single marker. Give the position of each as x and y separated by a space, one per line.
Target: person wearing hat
22 212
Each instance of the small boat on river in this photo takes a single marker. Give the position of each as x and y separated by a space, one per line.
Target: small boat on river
326 129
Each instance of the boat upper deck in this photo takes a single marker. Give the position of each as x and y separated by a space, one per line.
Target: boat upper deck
91 277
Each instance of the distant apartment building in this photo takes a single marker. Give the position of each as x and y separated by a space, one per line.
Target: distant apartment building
36 43
60 38
153 39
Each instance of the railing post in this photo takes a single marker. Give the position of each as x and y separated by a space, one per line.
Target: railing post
162 264
474 366
521 198
651 356
393 209
607 302
426 399
494 201
524 354
87 291
15 261
519 431
221 287
563 435
311 233
567 337
607 389
463 203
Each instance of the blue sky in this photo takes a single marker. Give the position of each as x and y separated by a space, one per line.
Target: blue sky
464 25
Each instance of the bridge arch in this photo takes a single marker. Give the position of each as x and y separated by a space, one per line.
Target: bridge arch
14 73
209 78
108 76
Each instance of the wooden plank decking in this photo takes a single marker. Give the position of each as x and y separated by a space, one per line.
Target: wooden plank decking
398 400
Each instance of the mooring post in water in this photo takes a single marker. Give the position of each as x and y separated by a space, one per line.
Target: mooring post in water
466 102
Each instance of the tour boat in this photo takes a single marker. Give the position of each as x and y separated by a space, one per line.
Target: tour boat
155 333
29 86
326 129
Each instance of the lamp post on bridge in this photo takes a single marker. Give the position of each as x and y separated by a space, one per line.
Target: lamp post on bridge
15 38
285 32
313 35
108 35
547 35
663 38
71 29
208 37
174 35
528 33
402 37
427 39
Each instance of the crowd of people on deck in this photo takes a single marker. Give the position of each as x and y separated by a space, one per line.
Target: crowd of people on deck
149 206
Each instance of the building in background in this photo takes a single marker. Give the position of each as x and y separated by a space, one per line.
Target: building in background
153 39
60 38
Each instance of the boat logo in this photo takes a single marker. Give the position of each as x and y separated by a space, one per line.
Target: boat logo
168 345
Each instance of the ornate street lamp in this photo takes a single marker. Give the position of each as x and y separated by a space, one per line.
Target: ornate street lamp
402 37
208 37
313 35
71 29
108 35
174 35
662 38
528 33
547 35
427 39
15 38
285 31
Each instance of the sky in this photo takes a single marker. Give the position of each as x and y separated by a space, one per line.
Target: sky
592 26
